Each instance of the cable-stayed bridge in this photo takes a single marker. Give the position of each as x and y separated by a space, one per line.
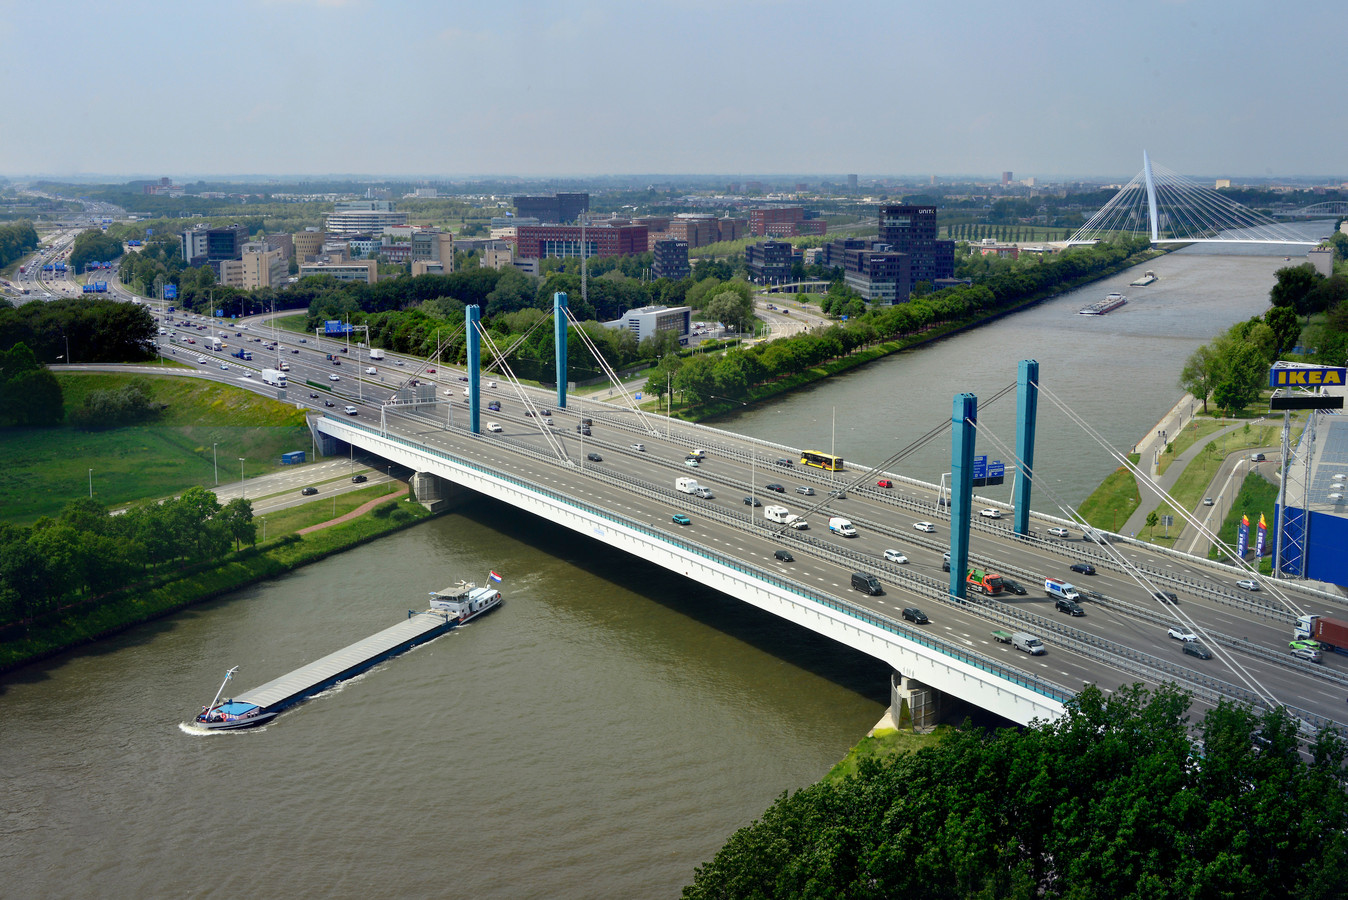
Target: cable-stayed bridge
1168 208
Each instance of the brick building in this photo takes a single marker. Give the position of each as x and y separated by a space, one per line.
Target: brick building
538 241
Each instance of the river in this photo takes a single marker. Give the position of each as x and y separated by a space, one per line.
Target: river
599 735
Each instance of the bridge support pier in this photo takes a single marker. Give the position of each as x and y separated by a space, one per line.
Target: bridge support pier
559 344
913 703
437 494
324 444
963 422
1027 394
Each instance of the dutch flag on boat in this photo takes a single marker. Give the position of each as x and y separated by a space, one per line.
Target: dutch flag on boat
495 577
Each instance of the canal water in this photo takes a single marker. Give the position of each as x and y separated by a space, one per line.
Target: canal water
599 735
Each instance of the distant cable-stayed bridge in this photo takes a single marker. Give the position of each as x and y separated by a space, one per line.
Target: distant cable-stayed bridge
1168 208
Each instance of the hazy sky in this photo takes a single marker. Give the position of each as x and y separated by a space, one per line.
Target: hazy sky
1046 88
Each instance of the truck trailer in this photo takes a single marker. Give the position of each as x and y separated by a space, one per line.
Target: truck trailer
274 376
1330 634
376 353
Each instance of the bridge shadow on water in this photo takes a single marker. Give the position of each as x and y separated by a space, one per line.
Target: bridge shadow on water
793 645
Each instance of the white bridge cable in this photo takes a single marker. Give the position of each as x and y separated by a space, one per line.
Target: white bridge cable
552 440
612 375
516 344
1290 604
1143 581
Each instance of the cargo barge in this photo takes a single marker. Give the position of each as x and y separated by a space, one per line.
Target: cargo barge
450 608
1145 280
1102 307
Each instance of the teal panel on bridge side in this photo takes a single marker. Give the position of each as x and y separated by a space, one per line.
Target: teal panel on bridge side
962 433
1027 409
474 369
559 344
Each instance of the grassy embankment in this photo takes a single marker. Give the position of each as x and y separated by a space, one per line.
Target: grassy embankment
132 464
884 743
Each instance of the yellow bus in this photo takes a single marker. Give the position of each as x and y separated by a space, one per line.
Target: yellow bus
821 460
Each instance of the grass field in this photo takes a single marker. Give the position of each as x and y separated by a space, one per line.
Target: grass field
1113 501
42 469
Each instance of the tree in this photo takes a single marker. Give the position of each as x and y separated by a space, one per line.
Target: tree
1293 285
1201 372
1244 372
1286 328
237 517
29 392
1152 519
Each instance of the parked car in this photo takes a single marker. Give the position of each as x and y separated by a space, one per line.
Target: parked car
681 519
1059 532
884 483
775 487
915 615
1181 634
784 556
309 491
990 513
924 526
895 556
1197 650
1082 568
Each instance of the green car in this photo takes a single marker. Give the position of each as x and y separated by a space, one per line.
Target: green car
1304 645
681 519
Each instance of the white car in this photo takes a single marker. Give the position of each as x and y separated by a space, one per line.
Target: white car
225 366
1248 584
334 378
351 411
895 556
990 513
493 426
201 360
640 448
1181 634
1059 532
924 526
370 370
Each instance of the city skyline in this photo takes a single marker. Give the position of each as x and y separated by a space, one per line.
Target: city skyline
761 88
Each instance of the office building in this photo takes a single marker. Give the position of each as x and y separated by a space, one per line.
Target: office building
671 260
433 245
649 320
878 274
363 216
204 245
783 221
912 230
428 267
538 241
768 262
497 257
557 209
263 268
308 244
363 270
851 184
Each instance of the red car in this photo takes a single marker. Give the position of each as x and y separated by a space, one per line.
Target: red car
430 371
884 482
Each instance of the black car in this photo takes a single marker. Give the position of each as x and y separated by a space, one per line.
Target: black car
915 615
313 396
1083 568
784 462
328 403
1062 604
1194 648
775 487
784 556
751 501
594 457
357 479
1014 587
1165 596
583 429
309 491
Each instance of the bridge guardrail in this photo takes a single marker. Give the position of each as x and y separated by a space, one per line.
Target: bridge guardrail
1015 676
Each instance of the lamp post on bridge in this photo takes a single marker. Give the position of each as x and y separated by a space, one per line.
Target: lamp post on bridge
242 491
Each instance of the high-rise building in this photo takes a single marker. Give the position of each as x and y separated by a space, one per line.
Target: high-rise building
558 209
205 245
768 262
912 230
538 241
308 244
671 260
1006 178
851 184
433 245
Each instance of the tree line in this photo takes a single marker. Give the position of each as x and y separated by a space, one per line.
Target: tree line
17 240
1115 799
86 552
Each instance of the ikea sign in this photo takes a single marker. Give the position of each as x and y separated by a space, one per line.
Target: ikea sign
1310 376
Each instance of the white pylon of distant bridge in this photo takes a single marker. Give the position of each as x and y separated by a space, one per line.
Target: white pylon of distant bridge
1170 209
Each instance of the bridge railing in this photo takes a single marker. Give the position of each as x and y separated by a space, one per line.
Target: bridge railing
802 592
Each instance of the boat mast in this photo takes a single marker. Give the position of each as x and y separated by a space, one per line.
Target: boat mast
228 675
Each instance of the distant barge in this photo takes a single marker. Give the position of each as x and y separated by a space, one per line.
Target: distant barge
1107 305
1145 280
449 609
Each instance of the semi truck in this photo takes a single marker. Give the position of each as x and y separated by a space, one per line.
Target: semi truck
1330 634
215 344
984 582
242 353
274 376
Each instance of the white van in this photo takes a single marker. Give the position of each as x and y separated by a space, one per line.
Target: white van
842 526
703 492
687 485
493 426
1027 642
1060 590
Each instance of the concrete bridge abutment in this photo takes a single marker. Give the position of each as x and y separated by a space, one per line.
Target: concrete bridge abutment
438 494
914 704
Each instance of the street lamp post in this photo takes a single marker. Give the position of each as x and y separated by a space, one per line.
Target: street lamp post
242 492
91 484
215 460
